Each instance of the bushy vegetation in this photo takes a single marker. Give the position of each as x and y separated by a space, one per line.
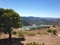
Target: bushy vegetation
30 33
9 19
21 34
52 31
14 33
38 32
49 30
34 43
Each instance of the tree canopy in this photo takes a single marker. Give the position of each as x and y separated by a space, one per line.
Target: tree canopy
9 18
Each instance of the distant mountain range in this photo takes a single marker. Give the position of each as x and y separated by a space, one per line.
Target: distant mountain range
39 20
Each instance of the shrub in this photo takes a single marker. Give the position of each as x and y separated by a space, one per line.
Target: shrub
30 33
14 33
54 32
54 26
38 32
49 30
34 43
47 27
43 44
21 34
45 33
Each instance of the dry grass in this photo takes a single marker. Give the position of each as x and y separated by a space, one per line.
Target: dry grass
41 36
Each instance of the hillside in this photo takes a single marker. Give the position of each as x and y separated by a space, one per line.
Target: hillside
39 21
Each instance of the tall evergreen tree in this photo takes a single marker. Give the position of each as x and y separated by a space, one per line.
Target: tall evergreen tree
9 19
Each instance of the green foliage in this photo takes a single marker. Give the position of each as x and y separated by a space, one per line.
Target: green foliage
21 34
34 43
49 30
43 44
9 18
30 33
54 32
38 32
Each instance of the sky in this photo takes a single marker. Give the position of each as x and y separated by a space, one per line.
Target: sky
36 8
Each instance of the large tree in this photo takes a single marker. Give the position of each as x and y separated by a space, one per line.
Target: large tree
9 19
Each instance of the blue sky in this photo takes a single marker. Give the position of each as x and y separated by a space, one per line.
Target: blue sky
37 8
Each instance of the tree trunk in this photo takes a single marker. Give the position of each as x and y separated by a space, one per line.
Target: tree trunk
10 39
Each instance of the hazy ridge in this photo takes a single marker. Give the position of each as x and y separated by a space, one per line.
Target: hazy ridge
40 20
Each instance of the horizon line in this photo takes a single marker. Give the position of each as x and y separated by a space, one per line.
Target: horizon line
40 17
